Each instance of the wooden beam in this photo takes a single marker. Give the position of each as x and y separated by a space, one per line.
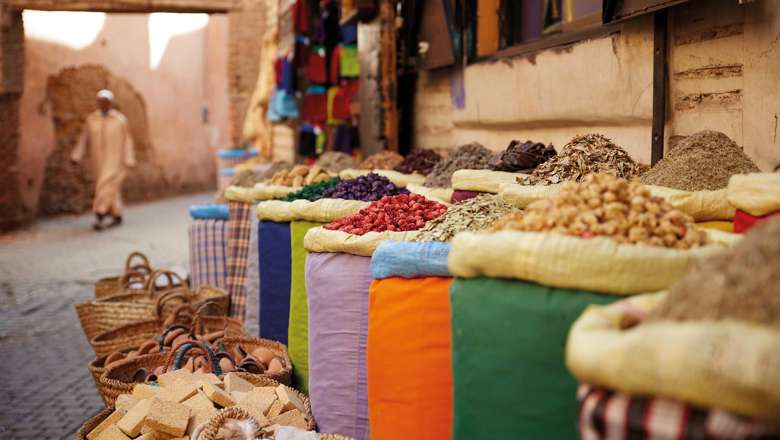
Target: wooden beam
139 6
660 26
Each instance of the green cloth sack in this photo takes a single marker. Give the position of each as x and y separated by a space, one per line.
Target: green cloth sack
298 330
509 374
349 62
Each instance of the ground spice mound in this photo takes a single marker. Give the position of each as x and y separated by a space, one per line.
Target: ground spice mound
702 161
740 284
419 161
604 205
583 155
336 161
474 214
471 156
384 160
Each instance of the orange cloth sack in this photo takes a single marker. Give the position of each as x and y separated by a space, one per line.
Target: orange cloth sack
409 359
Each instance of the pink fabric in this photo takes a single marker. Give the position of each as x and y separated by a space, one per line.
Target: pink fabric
337 287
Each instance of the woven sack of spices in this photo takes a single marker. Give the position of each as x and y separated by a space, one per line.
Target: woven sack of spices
323 210
482 180
323 240
399 179
757 194
521 196
667 359
240 194
441 195
265 191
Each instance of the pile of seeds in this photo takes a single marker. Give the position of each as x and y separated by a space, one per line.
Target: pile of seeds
384 160
473 214
311 192
740 284
604 205
299 175
467 157
419 161
368 188
588 154
521 157
513 220
702 161
403 212
336 161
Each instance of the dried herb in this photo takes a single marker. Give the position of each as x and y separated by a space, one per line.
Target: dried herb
702 161
336 161
588 154
384 160
474 214
521 157
419 161
311 192
467 157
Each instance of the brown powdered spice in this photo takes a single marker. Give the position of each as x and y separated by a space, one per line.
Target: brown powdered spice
471 156
336 161
583 155
702 161
740 284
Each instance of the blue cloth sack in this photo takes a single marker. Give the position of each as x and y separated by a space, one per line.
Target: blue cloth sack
410 259
228 172
209 211
349 34
236 153
275 259
282 106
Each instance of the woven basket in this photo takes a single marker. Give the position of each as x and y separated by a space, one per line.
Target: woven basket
119 378
111 285
202 295
279 349
92 423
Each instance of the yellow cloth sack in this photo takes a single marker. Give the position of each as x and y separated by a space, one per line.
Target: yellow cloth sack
701 205
482 180
441 195
264 191
399 179
521 196
757 193
324 240
240 194
720 364
322 211
718 225
596 265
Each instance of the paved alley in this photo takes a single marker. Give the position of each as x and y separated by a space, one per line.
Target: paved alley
44 271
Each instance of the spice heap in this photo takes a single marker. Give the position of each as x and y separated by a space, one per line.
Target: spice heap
702 161
604 205
474 214
397 213
299 175
419 161
368 188
588 154
469 157
336 161
513 220
247 179
384 160
740 284
183 404
311 192
521 157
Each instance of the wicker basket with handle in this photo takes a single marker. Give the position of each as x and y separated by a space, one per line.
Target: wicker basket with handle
112 285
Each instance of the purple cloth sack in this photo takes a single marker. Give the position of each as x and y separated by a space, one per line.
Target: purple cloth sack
337 286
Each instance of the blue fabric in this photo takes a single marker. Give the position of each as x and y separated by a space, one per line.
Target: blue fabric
275 257
229 172
209 211
349 34
236 153
287 82
410 259
315 89
282 106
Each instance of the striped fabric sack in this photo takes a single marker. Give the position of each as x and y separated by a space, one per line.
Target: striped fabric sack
239 232
608 415
208 253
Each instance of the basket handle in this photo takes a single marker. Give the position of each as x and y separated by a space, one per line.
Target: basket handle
216 422
168 329
182 313
201 312
128 278
168 296
176 356
144 264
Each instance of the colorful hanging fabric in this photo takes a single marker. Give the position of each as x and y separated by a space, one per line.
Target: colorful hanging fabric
347 92
307 141
349 63
316 69
346 139
315 105
332 119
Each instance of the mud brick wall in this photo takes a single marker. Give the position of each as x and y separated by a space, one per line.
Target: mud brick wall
245 41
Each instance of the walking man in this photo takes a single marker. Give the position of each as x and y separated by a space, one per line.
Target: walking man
107 134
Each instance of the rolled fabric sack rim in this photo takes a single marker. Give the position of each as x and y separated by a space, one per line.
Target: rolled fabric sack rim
396 253
236 153
209 211
326 240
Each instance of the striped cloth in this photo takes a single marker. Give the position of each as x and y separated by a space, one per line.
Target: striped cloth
208 253
239 234
609 415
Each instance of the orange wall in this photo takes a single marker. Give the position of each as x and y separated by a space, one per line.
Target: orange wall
192 73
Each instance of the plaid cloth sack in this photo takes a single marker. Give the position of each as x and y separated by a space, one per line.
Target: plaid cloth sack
208 253
608 415
239 230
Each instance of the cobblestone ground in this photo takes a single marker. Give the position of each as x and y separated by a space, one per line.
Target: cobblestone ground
44 271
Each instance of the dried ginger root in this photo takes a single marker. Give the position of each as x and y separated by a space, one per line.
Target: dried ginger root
604 205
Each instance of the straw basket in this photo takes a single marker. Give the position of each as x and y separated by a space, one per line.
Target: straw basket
111 285
92 423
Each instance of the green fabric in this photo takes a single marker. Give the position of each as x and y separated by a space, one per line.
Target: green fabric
349 63
509 376
298 330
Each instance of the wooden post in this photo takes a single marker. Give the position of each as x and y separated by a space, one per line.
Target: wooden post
660 26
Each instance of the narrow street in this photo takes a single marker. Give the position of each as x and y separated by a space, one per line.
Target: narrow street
44 271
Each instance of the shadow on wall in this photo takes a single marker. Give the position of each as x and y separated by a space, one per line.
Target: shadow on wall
162 103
